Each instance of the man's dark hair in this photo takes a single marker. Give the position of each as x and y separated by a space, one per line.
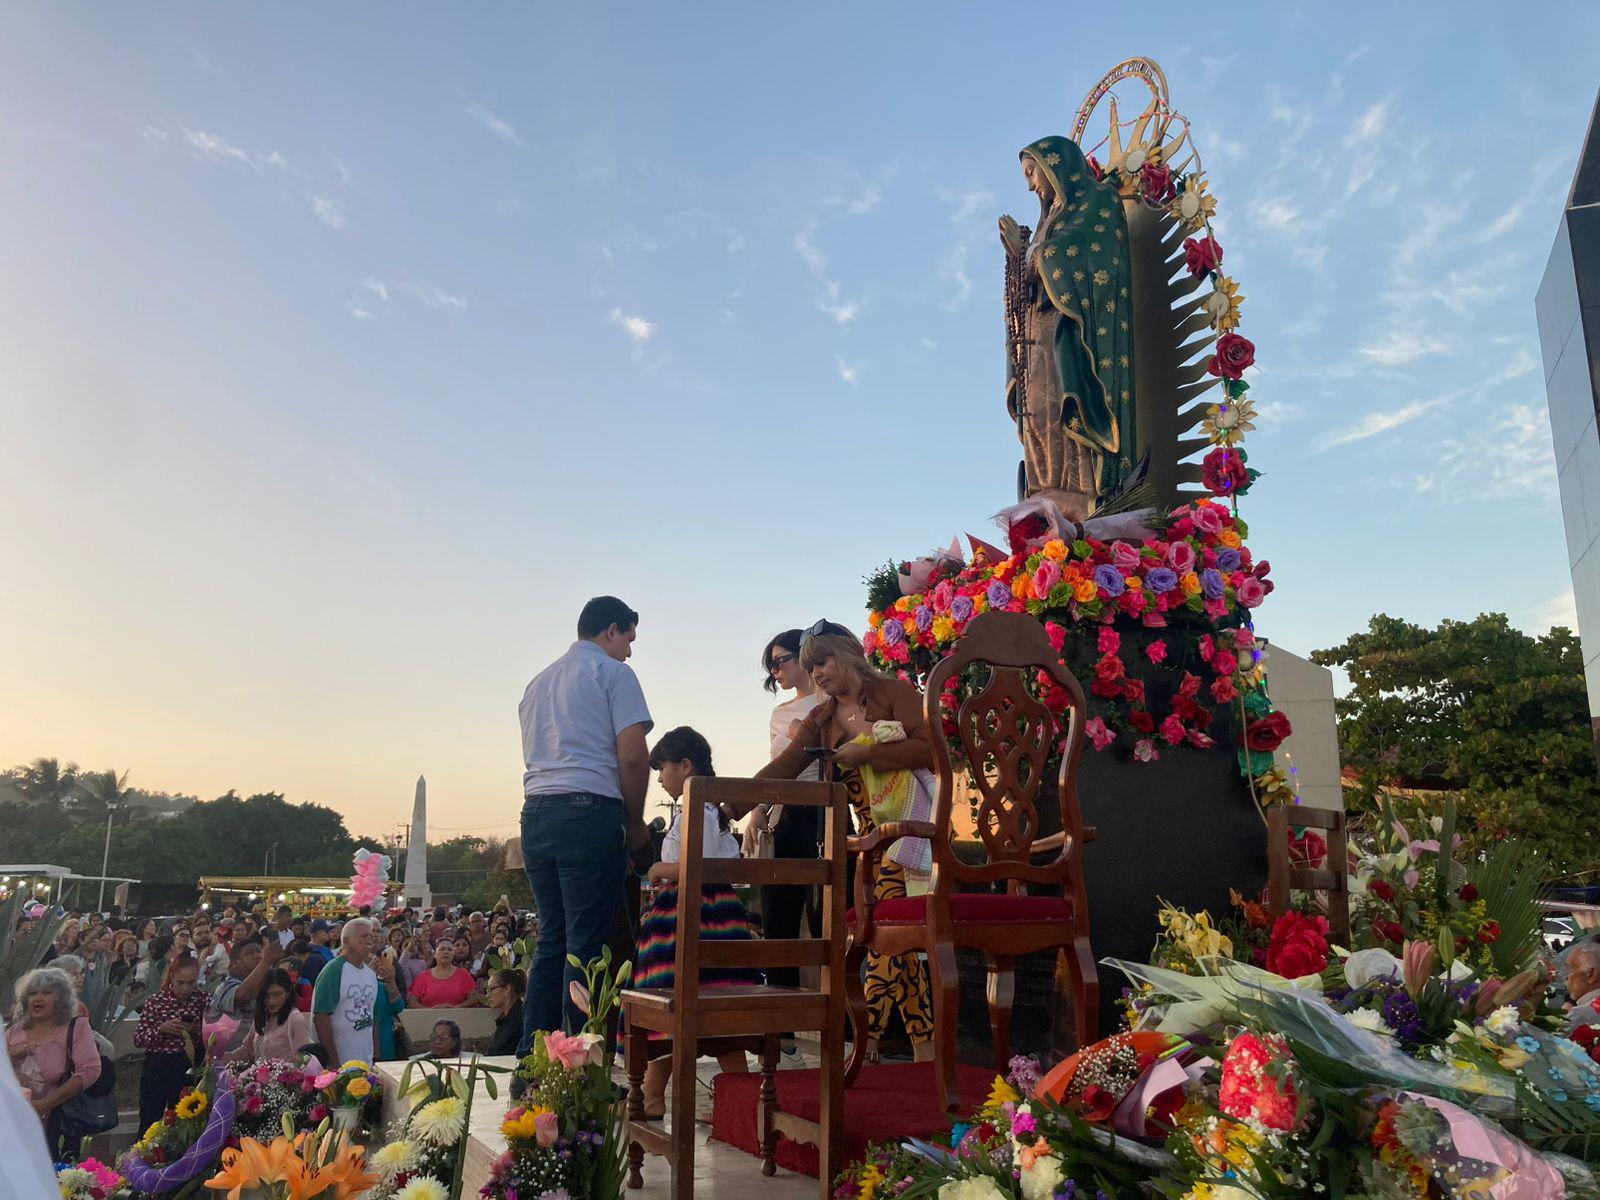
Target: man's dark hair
285 910
159 945
681 743
787 641
601 613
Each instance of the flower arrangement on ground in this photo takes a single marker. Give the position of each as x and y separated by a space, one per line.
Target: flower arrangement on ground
565 1139
90 1179
319 1165
420 1161
347 1091
267 1092
184 1144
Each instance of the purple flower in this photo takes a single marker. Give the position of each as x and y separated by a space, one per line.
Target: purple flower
1211 583
999 595
1228 560
924 617
1161 579
893 632
1109 580
1023 1073
961 608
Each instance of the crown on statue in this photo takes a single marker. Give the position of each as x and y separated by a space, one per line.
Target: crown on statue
1156 138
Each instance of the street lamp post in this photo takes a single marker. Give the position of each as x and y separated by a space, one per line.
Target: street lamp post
105 860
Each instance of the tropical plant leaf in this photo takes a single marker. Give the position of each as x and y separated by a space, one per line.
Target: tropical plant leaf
1509 880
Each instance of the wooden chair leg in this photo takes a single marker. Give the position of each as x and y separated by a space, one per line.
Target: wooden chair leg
830 1115
1002 989
685 1057
946 1011
637 1055
1085 990
855 994
766 1126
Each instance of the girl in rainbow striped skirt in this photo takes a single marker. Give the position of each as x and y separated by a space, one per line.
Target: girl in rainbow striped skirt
680 754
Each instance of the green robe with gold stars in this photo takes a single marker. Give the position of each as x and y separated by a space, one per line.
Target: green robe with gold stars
1080 256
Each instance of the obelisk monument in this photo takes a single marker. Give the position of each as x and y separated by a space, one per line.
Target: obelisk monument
416 885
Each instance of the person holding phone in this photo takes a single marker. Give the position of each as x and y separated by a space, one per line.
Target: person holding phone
855 699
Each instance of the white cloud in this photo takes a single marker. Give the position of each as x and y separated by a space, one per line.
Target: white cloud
498 126
1278 213
863 196
1560 609
1373 424
214 147
953 269
929 343
966 205
344 172
433 297
328 210
637 328
277 160
356 311
1369 125
376 287
847 373
736 242
1399 347
153 135
832 300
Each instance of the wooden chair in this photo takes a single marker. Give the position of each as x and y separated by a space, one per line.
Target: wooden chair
1332 878
1007 737
691 1016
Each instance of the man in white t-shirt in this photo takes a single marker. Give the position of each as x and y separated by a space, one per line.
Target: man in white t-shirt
345 997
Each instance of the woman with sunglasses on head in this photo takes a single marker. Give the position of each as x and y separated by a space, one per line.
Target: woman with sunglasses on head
855 698
775 831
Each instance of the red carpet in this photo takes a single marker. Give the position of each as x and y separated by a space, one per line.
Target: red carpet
888 1102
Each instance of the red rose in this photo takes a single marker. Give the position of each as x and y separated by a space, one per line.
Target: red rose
1026 530
1202 255
1490 932
1299 945
1266 735
1308 848
1393 931
1223 691
1133 691
1468 893
1157 182
1234 354
1381 889
1224 472
1141 720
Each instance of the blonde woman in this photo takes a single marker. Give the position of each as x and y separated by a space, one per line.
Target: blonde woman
855 698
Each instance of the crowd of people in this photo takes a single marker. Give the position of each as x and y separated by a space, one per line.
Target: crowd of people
240 985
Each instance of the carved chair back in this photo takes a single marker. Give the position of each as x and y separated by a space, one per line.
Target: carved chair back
1007 737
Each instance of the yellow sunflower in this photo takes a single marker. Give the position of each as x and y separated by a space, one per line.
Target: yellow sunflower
1192 206
191 1105
1226 424
1223 305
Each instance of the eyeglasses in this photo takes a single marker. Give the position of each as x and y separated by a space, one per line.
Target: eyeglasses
778 661
823 628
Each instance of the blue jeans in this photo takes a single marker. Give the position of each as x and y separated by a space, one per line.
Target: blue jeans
575 852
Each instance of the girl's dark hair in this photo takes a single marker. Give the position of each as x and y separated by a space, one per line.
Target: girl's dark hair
277 977
788 640
159 945
681 743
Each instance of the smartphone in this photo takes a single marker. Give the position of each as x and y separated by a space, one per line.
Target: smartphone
819 752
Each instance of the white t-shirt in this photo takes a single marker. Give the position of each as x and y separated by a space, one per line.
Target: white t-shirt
787 714
347 994
718 842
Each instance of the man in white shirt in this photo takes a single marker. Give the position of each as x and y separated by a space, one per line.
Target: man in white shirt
1583 985
344 1001
587 766
282 921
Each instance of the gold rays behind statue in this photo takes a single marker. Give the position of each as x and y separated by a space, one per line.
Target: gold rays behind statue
1172 329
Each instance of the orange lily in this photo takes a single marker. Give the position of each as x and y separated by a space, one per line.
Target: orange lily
252 1165
340 1177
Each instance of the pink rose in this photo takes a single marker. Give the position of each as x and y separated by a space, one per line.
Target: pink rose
1199 740
1124 557
942 596
545 1126
572 1050
1110 641
1207 518
1056 634
325 1079
1244 637
1250 591
1145 750
1098 733
1172 730
318 1113
1180 557
1045 578
1216 609
1156 651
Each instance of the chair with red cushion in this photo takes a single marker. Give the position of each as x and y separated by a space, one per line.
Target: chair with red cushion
1006 737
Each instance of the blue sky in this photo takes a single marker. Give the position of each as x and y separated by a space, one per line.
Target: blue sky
345 350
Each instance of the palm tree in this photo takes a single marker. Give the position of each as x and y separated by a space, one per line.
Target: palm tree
100 793
46 781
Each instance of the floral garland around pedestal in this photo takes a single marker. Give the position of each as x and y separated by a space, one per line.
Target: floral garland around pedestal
1195 579
186 1142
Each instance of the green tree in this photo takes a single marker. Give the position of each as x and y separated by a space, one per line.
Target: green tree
46 781
100 792
1480 710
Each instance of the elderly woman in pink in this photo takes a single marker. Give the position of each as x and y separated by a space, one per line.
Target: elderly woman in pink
44 1018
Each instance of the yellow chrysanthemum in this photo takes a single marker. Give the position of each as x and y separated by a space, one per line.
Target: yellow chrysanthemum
1002 1093
1223 305
423 1187
440 1122
1192 206
358 1087
191 1105
396 1158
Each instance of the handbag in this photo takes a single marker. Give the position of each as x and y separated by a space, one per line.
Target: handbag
93 1110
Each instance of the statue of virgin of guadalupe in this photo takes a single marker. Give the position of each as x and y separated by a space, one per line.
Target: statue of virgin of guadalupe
1069 325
